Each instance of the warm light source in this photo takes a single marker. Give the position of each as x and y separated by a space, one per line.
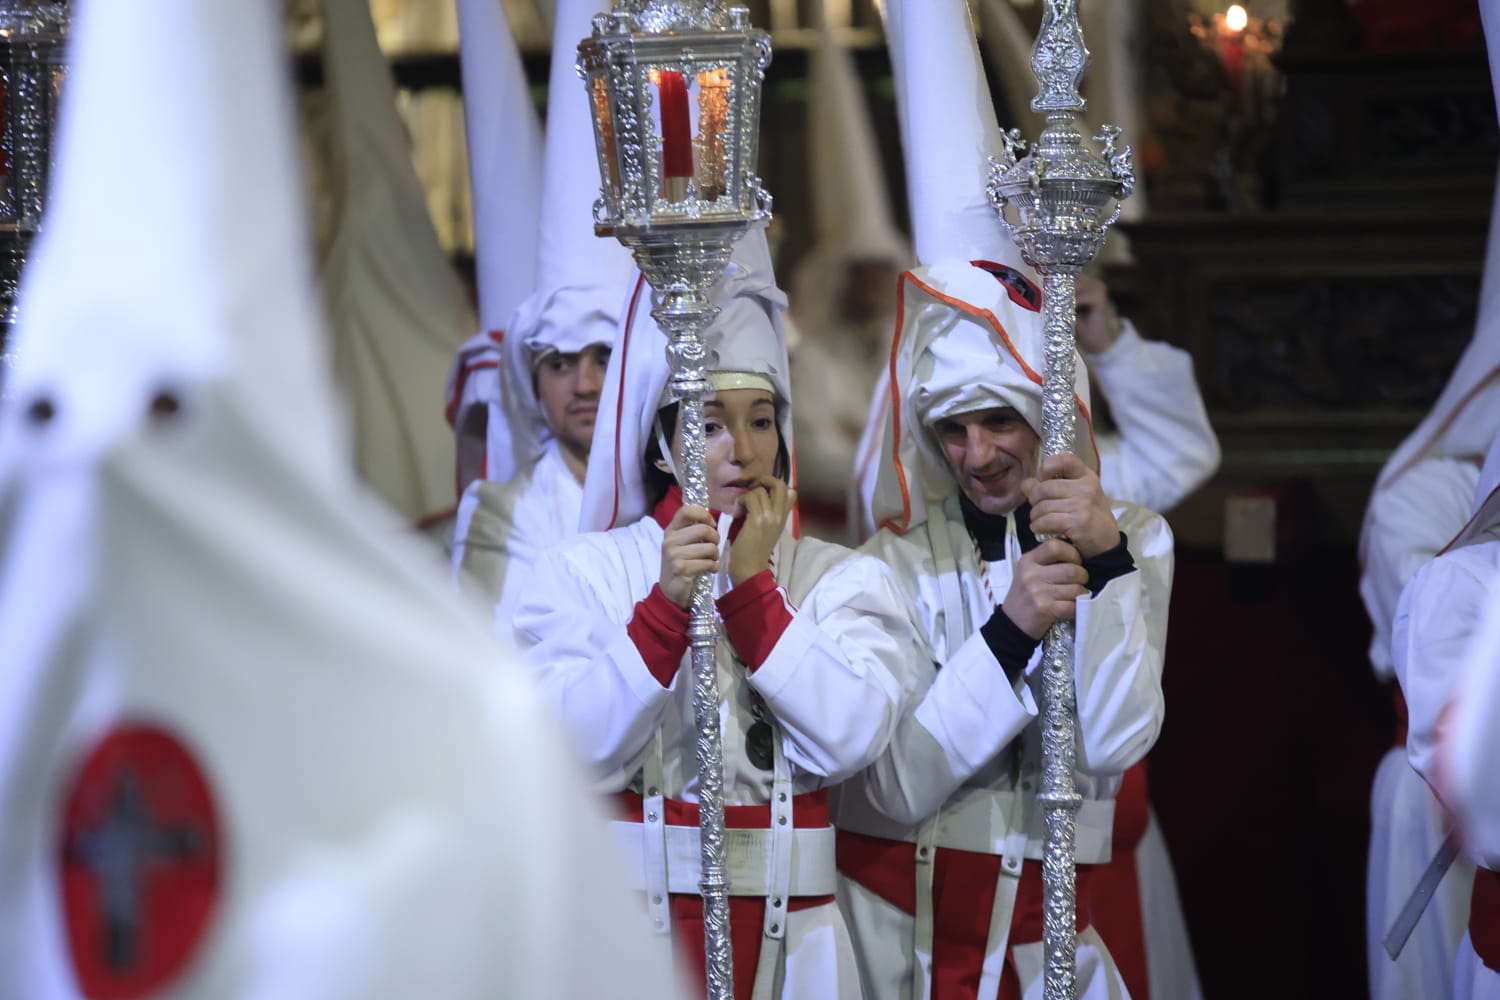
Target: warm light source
1236 18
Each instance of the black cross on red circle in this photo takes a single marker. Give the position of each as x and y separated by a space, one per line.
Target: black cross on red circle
140 863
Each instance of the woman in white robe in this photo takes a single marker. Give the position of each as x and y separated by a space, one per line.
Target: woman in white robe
810 656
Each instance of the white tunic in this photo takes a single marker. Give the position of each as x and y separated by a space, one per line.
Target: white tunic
832 683
949 759
502 527
1446 604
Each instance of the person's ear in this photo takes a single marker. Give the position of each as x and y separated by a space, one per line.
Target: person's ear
662 466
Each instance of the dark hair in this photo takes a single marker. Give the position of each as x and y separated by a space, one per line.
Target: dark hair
659 482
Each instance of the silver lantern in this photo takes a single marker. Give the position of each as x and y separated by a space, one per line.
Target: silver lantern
32 34
1064 196
674 87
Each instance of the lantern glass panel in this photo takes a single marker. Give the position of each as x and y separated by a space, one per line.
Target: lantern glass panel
691 111
604 123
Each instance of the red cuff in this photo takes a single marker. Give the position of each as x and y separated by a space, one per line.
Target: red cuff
659 630
755 614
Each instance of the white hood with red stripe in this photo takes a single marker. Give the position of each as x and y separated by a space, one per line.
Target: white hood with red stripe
967 340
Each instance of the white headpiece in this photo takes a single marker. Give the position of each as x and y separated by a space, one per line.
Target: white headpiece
746 337
398 308
580 278
207 629
851 206
969 331
505 177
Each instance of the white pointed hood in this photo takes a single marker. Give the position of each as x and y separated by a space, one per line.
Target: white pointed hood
505 177
1461 425
580 278
746 336
851 203
210 637
969 327
398 309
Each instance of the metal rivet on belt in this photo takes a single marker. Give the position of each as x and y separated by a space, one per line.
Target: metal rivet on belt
775 902
782 821
775 928
651 817
652 792
656 900
781 796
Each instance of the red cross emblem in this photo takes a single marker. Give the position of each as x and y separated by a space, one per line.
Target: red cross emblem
140 863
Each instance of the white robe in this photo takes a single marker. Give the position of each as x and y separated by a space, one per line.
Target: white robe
1165 448
1406 524
502 527
832 682
949 755
1441 610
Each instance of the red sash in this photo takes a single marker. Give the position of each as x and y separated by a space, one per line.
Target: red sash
746 913
963 894
1484 917
1117 890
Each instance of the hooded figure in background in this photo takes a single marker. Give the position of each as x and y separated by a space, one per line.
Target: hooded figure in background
250 745
939 839
397 308
557 347
1443 641
1423 496
505 177
811 656
842 293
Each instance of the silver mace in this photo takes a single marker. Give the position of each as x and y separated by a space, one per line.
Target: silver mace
1065 198
681 224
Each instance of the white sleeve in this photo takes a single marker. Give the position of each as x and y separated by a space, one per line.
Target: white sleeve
1474 743
960 717
1120 638
1439 613
1166 447
587 664
1406 524
833 679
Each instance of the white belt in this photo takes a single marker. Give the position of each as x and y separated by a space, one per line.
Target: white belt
747 859
981 823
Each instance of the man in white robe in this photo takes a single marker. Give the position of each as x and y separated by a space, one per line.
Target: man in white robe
250 745
556 350
938 839
1423 496
1441 653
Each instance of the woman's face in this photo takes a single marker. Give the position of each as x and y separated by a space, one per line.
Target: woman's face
741 443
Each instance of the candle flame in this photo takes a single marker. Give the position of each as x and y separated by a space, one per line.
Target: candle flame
1236 19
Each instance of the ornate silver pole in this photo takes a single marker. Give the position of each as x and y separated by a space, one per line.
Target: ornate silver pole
679 189
32 34
1065 197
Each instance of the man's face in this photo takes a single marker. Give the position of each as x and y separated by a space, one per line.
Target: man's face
990 452
567 386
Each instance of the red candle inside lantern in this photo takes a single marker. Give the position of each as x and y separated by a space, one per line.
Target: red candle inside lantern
1229 32
676 134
